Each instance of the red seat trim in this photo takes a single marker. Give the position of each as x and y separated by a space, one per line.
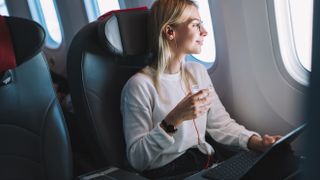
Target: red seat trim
7 56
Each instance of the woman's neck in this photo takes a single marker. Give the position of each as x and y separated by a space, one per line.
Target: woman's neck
175 65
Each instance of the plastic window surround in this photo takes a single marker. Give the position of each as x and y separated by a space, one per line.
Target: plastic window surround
50 22
3 8
207 56
287 44
95 8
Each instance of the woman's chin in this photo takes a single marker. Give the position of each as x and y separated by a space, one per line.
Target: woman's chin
198 51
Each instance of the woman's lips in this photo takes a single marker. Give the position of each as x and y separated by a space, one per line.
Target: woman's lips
200 42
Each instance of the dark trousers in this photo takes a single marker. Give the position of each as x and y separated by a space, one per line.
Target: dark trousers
192 161
187 164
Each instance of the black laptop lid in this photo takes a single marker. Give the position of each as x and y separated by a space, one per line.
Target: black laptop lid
278 161
288 138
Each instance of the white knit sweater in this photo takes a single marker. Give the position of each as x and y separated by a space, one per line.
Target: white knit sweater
148 146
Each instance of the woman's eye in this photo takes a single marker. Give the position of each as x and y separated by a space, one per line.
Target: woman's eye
197 25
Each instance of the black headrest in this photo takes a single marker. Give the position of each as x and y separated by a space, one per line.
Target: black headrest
27 38
125 33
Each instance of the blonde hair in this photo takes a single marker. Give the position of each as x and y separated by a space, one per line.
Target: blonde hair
163 13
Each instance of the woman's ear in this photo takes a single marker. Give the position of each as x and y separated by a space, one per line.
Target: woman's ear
169 32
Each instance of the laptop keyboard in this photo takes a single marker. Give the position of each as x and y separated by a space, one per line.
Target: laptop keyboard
233 168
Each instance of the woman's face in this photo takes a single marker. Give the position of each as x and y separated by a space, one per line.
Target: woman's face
190 34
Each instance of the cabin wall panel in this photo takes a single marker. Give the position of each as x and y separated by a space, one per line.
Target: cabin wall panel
247 71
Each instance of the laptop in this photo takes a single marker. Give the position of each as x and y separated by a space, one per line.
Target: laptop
278 162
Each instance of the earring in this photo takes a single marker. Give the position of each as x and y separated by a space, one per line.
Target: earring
171 37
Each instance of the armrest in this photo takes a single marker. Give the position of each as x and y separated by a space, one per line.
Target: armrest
110 173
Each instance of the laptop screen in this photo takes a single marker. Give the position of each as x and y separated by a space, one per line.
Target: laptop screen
278 157
278 162
288 138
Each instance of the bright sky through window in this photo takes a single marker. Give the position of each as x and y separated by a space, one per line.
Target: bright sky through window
3 8
301 16
294 33
107 5
208 53
96 8
51 20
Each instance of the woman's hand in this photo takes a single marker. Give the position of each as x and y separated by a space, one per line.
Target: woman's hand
190 107
262 143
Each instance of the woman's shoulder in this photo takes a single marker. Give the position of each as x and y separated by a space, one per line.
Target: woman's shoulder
199 72
139 79
138 82
194 66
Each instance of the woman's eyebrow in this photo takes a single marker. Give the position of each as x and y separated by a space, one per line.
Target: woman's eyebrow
195 19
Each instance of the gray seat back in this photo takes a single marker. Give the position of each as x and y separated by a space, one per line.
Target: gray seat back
102 57
34 139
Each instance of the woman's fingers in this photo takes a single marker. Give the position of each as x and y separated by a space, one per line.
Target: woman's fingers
193 106
201 101
277 137
202 94
270 140
202 98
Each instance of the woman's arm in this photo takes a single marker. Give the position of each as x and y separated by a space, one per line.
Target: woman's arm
220 125
223 128
144 140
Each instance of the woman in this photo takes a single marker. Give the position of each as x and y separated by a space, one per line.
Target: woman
164 122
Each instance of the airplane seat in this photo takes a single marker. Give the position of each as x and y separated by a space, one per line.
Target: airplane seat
102 57
33 135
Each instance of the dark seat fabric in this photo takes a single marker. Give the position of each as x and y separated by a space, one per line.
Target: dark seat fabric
34 139
102 57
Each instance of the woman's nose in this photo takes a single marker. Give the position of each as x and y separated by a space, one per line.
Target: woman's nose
203 31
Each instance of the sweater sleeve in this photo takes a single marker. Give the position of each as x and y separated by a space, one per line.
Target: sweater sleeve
221 126
145 140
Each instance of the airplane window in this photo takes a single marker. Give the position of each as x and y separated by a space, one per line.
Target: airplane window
106 6
95 8
44 12
294 27
208 53
301 14
3 8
